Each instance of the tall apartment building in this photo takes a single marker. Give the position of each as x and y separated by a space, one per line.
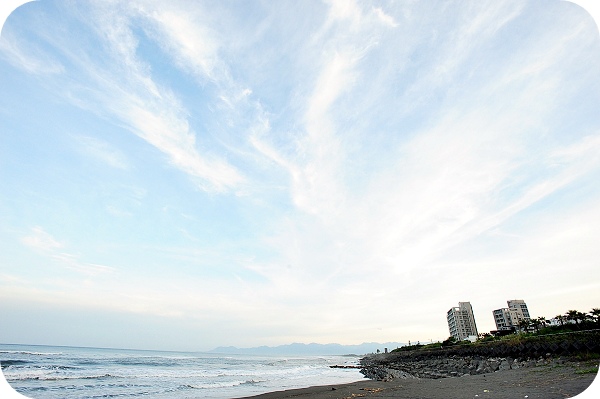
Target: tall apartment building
519 306
461 321
509 318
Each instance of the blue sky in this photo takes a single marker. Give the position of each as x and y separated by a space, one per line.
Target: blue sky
194 174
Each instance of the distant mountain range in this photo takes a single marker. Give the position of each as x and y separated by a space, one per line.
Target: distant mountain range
310 349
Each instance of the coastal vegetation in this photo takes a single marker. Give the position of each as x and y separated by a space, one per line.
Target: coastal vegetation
570 321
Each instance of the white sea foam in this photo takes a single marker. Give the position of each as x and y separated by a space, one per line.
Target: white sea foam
30 353
84 373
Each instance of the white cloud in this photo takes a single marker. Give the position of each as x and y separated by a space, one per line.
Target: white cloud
102 151
123 88
72 261
345 10
182 33
155 114
172 136
385 18
468 172
28 57
48 246
40 240
320 154
457 48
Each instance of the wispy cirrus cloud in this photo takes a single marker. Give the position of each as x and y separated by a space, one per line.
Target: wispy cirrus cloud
28 57
123 88
193 46
43 242
39 239
102 151
421 193
468 171
346 37
155 114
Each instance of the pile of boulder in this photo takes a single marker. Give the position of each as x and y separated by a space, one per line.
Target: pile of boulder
383 369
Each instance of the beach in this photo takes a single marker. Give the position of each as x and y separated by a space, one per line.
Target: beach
544 382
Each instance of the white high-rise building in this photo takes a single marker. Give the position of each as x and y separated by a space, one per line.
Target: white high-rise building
461 321
519 306
509 318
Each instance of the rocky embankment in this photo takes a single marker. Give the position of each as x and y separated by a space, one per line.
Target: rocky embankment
482 358
441 367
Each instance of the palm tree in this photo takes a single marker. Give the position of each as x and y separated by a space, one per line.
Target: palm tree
577 316
583 317
561 319
595 313
573 315
540 321
524 324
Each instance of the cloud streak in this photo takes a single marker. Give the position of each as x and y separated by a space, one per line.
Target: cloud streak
44 243
102 151
124 89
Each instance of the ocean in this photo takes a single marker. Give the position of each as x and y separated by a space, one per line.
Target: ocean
59 372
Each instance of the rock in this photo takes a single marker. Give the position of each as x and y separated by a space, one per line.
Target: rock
504 365
439 367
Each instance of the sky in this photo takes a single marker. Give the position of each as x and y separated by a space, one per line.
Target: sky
190 174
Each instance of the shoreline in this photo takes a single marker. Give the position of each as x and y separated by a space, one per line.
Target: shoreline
542 382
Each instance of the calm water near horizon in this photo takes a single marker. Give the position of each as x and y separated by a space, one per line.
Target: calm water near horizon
59 372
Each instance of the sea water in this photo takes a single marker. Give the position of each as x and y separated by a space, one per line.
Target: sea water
49 372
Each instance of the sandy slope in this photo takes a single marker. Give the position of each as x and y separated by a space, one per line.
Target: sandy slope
544 382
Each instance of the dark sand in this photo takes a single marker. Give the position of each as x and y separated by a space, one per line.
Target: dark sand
543 382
